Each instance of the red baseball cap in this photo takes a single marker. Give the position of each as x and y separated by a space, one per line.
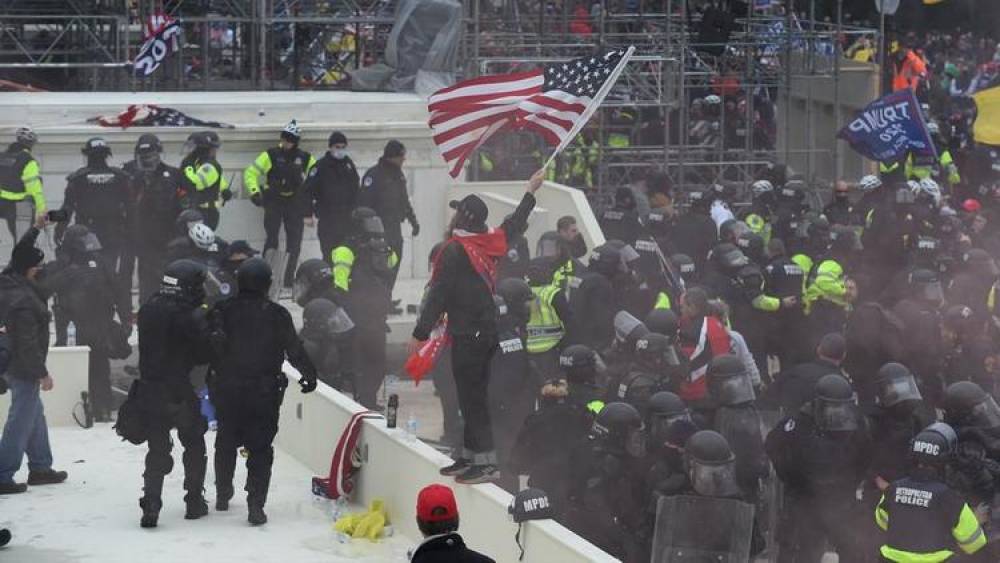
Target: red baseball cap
971 205
436 503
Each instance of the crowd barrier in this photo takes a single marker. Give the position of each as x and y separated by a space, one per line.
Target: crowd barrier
68 367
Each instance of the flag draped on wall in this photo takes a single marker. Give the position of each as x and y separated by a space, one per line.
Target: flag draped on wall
147 115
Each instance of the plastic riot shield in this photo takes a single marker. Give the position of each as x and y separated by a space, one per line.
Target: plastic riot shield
772 494
696 529
277 260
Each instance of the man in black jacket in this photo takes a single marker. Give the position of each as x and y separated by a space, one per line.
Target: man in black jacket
26 319
251 336
332 188
173 339
795 386
462 285
437 518
384 190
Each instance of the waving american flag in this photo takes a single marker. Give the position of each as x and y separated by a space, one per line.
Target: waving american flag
554 101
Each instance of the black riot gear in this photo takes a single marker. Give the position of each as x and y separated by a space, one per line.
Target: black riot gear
895 384
517 296
728 381
663 321
834 404
966 404
656 352
606 260
96 148
752 245
686 267
579 363
628 330
925 286
711 464
313 276
254 276
663 409
934 445
619 427
185 279
728 258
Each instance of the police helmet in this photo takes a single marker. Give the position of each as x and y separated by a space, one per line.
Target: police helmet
204 140
619 427
966 404
662 410
79 240
579 363
549 245
624 198
367 223
834 405
728 258
732 229
663 321
685 265
628 330
96 147
606 260
656 351
925 286
517 295
26 136
313 273
895 384
729 381
711 464
186 279
187 218
291 133
541 270
254 275
326 317
934 445
202 236
981 263
530 504
752 245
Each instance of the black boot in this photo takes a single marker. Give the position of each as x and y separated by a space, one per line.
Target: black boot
150 511
222 497
255 513
196 507
194 484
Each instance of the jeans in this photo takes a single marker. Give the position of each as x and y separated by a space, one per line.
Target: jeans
25 431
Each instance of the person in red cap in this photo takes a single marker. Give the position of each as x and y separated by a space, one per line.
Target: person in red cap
437 518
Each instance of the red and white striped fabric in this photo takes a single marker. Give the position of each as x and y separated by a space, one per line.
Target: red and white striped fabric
548 101
340 482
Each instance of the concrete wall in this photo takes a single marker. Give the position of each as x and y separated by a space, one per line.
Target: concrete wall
68 367
396 469
857 88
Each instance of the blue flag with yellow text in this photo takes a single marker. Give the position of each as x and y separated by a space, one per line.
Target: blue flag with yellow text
890 128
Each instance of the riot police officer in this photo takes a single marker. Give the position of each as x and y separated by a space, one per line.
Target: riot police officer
919 312
383 189
204 173
332 188
283 170
736 418
173 339
97 196
158 196
820 454
363 270
251 337
327 330
657 367
595 302
922 516
20 178
975 416
89 297
621 221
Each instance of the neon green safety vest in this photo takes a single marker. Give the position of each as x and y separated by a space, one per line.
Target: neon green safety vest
545 329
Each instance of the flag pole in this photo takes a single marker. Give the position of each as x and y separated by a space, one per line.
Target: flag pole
594 104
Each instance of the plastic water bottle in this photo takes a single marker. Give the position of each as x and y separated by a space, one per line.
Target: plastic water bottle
71 334
339 507
411 428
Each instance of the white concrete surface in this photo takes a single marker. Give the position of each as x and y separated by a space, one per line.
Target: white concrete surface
395 469
68 367
94 516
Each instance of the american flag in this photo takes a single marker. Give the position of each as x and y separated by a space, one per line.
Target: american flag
148 115
549 101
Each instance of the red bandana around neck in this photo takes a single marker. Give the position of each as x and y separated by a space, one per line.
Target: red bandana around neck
484 251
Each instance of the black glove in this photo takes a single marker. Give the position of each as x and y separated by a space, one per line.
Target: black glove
308 383
227 195
414 226
257 199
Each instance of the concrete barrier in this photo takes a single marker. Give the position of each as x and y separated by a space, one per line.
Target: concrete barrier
395 469
68 367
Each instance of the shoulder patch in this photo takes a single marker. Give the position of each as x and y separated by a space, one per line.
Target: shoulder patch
790 425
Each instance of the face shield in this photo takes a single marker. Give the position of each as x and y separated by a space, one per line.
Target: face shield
635 442
548 248
148 161
835 416
733 390
893 391
660 425
628 328
716 480
986 414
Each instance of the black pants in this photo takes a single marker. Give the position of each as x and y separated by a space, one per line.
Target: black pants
162 415
470 360
8 211
808 523
444 386
289 213
332 231
248 416
369 345
151 266
394 238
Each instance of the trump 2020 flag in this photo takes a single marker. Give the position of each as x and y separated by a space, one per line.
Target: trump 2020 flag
889 128
162 36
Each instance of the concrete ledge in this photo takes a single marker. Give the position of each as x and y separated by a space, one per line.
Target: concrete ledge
396 469
68 366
